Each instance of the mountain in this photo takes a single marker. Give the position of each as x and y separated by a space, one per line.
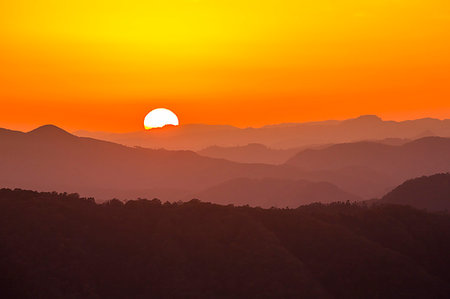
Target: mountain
284 136
63 246
50 133
424 156
427 192
50 158
269 192
250 153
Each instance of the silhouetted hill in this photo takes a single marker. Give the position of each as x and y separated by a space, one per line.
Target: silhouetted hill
9 135
368 119
427 192
259 153
49 158
283 136
424 156
270 192
62 246
51 132
250 153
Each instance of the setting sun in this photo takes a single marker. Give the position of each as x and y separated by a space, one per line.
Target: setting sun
159 118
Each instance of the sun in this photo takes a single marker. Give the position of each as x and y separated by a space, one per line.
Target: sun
160 117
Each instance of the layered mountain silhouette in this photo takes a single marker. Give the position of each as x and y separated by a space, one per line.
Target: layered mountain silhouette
283 136
50 158
259 153
424 156
427 192
269 192
61 245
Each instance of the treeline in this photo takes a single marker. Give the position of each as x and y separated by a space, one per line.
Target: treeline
63 246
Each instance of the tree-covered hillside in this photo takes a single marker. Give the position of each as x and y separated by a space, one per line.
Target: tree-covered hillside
62 246
426 192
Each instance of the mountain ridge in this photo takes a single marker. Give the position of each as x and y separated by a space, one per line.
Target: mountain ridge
99 168
426 192
281 136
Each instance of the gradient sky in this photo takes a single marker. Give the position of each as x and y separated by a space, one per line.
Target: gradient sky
102 65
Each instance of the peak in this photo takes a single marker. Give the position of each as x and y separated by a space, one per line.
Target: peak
370 117
49 131
366 118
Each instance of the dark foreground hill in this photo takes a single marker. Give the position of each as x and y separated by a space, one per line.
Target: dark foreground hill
62 246
427 192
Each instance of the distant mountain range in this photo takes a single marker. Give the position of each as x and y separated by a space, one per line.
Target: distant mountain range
260 153
49 158
425 156
283 136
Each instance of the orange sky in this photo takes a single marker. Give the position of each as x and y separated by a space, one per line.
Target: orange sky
102 65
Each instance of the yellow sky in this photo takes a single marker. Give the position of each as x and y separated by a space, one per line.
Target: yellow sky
102 65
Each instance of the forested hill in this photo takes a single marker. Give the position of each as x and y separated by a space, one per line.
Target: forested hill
426 192
62 246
